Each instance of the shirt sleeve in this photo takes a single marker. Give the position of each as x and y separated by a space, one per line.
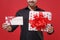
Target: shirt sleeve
15 26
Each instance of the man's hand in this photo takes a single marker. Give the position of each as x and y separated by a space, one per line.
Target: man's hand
6 27
49 28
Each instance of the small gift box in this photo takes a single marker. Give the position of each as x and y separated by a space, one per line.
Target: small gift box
11 20
38 20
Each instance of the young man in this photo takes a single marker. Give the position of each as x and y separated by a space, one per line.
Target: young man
25 34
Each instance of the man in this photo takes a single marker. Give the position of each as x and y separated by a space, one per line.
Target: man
25 34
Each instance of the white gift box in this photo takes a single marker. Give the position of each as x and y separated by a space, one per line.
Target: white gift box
10 20
31 17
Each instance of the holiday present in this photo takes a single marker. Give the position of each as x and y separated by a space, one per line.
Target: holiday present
11 20
38 20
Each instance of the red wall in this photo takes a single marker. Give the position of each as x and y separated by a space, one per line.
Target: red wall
10 7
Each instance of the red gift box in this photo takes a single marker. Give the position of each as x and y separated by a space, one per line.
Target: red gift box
39 21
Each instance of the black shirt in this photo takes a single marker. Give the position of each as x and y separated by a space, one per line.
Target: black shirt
25 34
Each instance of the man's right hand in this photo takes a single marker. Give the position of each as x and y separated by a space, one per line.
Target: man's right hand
6 27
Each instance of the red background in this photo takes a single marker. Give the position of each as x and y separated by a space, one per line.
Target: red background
10 7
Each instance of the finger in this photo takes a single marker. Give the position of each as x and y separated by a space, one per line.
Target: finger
4 26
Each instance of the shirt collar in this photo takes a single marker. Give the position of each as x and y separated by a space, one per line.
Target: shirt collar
34 10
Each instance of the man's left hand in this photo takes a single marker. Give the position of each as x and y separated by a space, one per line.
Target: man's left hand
50 28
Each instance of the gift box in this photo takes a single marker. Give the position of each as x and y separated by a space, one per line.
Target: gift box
38 20
11 20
